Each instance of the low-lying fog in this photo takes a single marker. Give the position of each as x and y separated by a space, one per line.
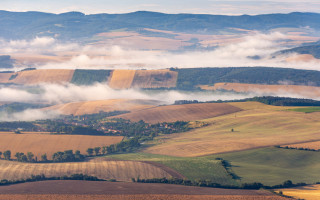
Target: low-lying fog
59 94
240 53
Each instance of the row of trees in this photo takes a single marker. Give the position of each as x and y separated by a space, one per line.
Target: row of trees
123 146
69 156
209 183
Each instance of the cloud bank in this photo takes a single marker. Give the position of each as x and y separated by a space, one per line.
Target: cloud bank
237 54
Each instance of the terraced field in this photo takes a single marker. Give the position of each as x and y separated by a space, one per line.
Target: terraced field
90 107
39 144
310 192
303 91
258 125
56 76
99 167
186 112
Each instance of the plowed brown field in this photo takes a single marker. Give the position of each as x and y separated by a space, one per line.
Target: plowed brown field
130 191
39 144
137 197
155 79
43 76
305 91
99 167
121 79
90 107
186 112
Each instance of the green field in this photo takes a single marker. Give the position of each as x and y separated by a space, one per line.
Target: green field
307 109
272 166
89 77
199 168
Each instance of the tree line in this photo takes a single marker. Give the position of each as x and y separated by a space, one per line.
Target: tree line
70 156
209 183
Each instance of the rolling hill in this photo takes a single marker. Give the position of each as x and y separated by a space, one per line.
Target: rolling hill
75 25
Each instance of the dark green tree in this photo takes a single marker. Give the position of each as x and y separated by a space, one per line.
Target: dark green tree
44 158
7 155
97 150
90 151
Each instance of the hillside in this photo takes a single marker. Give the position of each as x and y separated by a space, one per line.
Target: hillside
266 79
313 50
75 25
259 89
90 107
257 126
186 112
99 167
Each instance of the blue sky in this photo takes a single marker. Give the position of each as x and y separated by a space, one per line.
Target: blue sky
227 7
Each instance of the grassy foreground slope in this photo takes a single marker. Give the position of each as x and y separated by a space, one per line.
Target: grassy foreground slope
272 166
257 126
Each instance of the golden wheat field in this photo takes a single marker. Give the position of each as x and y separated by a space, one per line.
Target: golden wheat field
90 107
310 192
39 144
258 125
99 167
155 79
309 145
186 112
121 79
305 91
43 76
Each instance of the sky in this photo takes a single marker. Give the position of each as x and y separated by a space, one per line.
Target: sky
225 7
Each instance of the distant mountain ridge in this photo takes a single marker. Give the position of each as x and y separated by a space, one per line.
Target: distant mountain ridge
76 25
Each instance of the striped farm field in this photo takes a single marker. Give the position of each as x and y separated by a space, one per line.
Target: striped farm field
90 107
304 91
99 167
121 79
155 79
186 112
310 192
98 190
306 145
40 144
43 76
258 125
